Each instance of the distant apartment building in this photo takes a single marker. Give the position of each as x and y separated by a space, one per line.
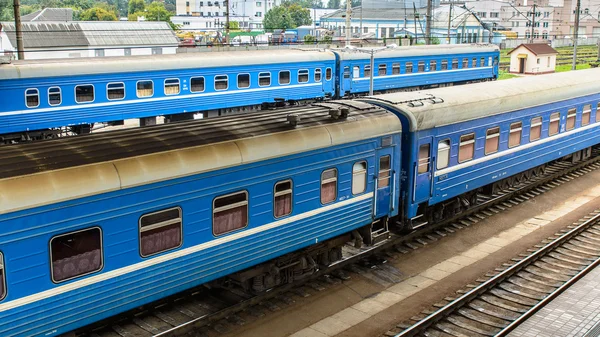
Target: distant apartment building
524 21
249 13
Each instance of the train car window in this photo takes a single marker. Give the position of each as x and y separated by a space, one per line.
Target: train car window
383 180
585 114
432 65
492 140
84 93
32 98
302 76
355 72
243 81
444 64
284 77
409 67
76 254
328 186
489 61
454 63
282 203
221 82
554 126
230 212
197 84
482 62
474 62
395 68
172 86
421 66
424 158
443 154
317 75
465 63
598 113
346 72
359 177
535 130
367 71
382 70
328 74
466 149
514 138
571 115
145 88
115 91
54 96
2 278
264 79
160 231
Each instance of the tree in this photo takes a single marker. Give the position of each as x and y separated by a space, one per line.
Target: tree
97 14
288 15
307 3
136 6
334 4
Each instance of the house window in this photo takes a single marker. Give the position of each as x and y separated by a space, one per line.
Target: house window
221 82
302 76
359 177
99 52
424 158
283 199
443 154
383 180
258 14
548 62
2 278
514 138
571 115
160 231
328 74
585 115
382 71
492 140
172 86
421 66
230 212
395 68
432 65
258 4
264 79
32 98
76 254
409 67
535 130
318 75
328 186
145 88
157 50
54 96
115 91
466 148
84 93
367 71
243 81
284 77
554 126
197 84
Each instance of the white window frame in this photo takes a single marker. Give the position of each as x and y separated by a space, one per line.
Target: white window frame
279 77
554 117
116 99
360 172
165 86
37 93
462 142
305 72
3 279
285 192
587 111
215 82
224 208
159 225
320 72
59 93
203 86
571 113
322 181
264 74
494 135
446 162
328 69
136 88
238 80
532 125
70 233
84 85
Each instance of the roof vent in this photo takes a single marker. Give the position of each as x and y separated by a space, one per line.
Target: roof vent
415 104
293 119
436 100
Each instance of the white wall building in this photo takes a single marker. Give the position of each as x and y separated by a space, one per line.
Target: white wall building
249 13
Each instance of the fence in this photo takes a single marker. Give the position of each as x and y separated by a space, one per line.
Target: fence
555 43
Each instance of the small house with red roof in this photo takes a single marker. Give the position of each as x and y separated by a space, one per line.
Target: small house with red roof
533 59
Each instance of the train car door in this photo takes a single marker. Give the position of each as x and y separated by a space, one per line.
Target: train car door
383 183
422 171
346 81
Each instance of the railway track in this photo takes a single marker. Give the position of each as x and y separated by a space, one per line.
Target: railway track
198 311
523 286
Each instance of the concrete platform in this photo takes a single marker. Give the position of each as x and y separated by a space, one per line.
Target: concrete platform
572 313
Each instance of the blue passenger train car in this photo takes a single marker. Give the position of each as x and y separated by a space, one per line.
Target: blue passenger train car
118 221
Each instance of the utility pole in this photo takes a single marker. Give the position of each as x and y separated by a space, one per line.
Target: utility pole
449 22
532 23
576 34
428 22
226 22
348 28
416 15
18 30
361 28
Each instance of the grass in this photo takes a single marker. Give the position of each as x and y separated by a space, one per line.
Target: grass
567 67
505 75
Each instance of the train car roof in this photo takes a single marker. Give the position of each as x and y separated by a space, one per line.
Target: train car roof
47 172
195 60
428 109
409 51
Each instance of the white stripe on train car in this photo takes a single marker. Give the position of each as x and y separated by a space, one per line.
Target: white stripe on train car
440 72
174 255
